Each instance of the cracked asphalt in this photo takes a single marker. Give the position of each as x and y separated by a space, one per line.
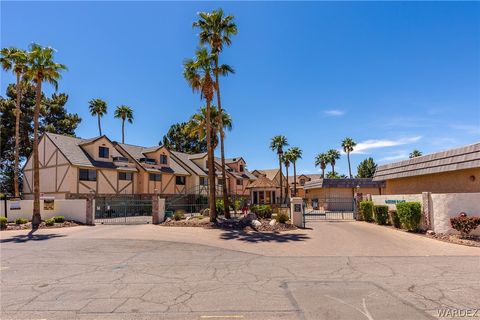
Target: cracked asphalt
332 271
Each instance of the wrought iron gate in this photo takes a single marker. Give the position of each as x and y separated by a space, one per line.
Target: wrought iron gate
329 209
123 210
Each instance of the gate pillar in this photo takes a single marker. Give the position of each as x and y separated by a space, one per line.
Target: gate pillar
296 211
90 209
158 210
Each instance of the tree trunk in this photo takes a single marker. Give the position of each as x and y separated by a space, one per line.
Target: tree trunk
295 178
222 146
286 189
211 168
281 184
16 186
333 169
349 168
99 126
323 173
123 131
36 218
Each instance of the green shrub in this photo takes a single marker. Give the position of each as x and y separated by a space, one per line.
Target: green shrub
179 215
394 219
21 221
264 211
219 206
381 214
282 217
50 222
366 209
464 224
3 223
59 219
410 214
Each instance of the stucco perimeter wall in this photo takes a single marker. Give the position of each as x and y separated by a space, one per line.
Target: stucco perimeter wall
447 205
74 209
389 200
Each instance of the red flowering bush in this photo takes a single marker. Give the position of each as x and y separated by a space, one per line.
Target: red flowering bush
464 224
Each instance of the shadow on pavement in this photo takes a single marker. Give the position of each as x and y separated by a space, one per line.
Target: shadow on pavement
31 237
262 236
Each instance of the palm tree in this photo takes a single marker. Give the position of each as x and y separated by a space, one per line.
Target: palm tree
216 30
321 160
295 154
277 144
348 144
41 68
124 113
16 60
197 127
98 108
415 153
286 158
198 73
333 155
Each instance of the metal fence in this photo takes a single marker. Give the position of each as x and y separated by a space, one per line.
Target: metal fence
330 209
123 211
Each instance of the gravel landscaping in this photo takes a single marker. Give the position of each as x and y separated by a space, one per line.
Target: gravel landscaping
28 225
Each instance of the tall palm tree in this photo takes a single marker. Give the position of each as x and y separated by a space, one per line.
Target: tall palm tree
197 126
295 153
216 30
277 144
348 144
286 158
198 73
321 160
16 60
124 113
415 153
333 155
98 108
41 68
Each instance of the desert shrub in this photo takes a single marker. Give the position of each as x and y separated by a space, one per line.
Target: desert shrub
205 212
410 214
59 219
264 211
219 206
366 209
381 214
179 215
50 222
394 219
254 208
464 224
282 217
21 221
3 223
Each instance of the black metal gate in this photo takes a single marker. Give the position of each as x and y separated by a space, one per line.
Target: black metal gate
123 211
329 209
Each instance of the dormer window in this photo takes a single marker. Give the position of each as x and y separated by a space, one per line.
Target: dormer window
163 159
241 168
302 182
148 160
103 152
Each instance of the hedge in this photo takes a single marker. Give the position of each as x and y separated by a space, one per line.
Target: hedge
3 222
410 214
381 214
366 208
394 219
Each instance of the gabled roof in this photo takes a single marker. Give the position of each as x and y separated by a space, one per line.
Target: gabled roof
312 176
186 159
269 173
262 182
467 157
343 183
70 148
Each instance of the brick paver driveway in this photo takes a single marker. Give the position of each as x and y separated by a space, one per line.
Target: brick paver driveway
342 270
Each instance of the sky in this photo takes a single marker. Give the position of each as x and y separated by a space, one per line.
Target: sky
394 76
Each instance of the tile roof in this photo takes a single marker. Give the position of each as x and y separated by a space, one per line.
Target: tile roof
187 160
343 183
312 176
467 157
69 147
269 173
262 182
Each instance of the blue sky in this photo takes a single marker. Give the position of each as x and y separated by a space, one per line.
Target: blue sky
393 76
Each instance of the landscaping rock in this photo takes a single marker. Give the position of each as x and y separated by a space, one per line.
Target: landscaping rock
430 232
256 224
251 216
272 222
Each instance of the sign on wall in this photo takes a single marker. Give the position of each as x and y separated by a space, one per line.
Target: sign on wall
392 201
15 205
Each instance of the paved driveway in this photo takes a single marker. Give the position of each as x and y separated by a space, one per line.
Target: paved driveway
335 271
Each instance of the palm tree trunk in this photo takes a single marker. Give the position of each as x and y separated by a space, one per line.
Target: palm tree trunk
333 169
295 178
222 146
281 184
349 168
99 126
211 168
17 139
36 218
323 173
286 189
123 131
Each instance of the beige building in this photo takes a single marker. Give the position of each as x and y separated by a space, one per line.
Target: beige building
76 168
265 189
451 171
300 182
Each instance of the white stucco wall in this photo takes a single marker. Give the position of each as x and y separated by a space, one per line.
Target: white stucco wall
384 199
71 209
448 205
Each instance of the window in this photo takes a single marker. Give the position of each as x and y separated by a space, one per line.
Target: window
155 177
180 180
241 168
103 152
203 181
220 182
163 159
125 176
302 182
239 182
87 175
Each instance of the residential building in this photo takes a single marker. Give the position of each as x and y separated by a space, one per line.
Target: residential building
451 171
300 182
265 189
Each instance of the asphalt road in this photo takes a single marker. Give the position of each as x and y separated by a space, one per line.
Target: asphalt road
151 272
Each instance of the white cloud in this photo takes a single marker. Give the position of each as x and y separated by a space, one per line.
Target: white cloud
367 145
334 113
470 129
